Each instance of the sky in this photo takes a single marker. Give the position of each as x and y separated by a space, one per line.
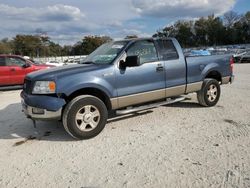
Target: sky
68 21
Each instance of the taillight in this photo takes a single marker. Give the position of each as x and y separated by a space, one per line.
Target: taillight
231 64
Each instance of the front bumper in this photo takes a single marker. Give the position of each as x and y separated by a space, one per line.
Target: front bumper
42 107
46 115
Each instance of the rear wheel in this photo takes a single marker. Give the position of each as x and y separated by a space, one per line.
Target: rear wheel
210 93
85 117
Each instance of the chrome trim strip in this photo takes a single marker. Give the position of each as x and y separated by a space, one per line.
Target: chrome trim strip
175 91
138 98
193 87
225 80
114 103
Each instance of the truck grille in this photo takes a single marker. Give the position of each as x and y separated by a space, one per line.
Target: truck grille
27 86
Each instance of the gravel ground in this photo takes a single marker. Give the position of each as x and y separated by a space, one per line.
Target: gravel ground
180 145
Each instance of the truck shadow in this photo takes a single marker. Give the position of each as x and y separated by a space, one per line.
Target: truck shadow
10 88
184 104
14 124
114 118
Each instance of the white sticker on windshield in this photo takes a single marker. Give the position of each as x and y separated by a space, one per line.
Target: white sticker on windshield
117 46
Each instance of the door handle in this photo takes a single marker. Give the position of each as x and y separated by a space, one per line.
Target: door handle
159 68
12 69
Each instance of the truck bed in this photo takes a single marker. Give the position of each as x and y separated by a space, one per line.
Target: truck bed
198 65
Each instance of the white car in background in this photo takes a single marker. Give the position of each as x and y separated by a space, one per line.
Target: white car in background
55 63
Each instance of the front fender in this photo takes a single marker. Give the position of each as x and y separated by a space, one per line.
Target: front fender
70 86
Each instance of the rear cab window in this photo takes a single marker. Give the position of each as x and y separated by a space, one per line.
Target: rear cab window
167 50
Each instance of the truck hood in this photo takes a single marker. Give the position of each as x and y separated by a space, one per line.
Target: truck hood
63 71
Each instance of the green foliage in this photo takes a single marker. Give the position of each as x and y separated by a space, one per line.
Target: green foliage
209 31
90 43
26 45
5 46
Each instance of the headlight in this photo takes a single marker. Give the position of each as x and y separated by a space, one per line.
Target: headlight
44 87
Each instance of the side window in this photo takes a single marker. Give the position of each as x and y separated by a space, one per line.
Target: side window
145 50
14 61
2 61
168 50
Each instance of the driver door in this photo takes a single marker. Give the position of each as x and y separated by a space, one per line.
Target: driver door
141 83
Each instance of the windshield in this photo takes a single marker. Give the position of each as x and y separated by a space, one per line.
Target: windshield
106 53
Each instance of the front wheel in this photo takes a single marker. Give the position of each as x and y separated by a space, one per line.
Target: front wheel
85 117
210 93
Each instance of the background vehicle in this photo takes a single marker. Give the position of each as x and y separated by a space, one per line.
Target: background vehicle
125 76
14 68
245 58
55 63
77 60
199 53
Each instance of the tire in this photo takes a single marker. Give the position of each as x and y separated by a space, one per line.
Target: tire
85 117
209 94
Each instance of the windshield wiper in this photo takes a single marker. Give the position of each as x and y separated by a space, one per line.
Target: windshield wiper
87 62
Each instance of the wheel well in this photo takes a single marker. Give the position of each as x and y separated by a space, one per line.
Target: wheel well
91 91
215 75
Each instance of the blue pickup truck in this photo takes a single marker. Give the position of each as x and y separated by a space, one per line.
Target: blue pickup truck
123 77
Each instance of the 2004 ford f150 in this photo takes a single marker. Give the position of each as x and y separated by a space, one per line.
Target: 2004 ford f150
123 76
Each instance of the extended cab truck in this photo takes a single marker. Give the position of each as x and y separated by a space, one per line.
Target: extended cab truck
13 69
125 76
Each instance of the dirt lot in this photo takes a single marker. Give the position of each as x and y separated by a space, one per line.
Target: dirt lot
181 145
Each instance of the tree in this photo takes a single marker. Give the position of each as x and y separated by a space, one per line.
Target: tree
90 43
230 18
5 46
184 33
27 45
215 30
201 35
181 30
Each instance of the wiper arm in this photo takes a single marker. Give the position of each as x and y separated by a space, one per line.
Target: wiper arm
87 62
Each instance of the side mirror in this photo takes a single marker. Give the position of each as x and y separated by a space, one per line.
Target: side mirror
131 61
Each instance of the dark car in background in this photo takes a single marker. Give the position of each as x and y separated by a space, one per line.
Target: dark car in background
245 58
14 68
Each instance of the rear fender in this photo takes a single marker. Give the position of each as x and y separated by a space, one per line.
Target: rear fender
209 68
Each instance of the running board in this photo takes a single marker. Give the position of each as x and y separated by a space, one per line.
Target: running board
149 106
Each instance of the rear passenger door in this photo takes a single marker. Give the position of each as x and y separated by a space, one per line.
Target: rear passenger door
4 73
175 67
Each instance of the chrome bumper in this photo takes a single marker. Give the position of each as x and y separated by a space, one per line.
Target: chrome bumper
40 114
